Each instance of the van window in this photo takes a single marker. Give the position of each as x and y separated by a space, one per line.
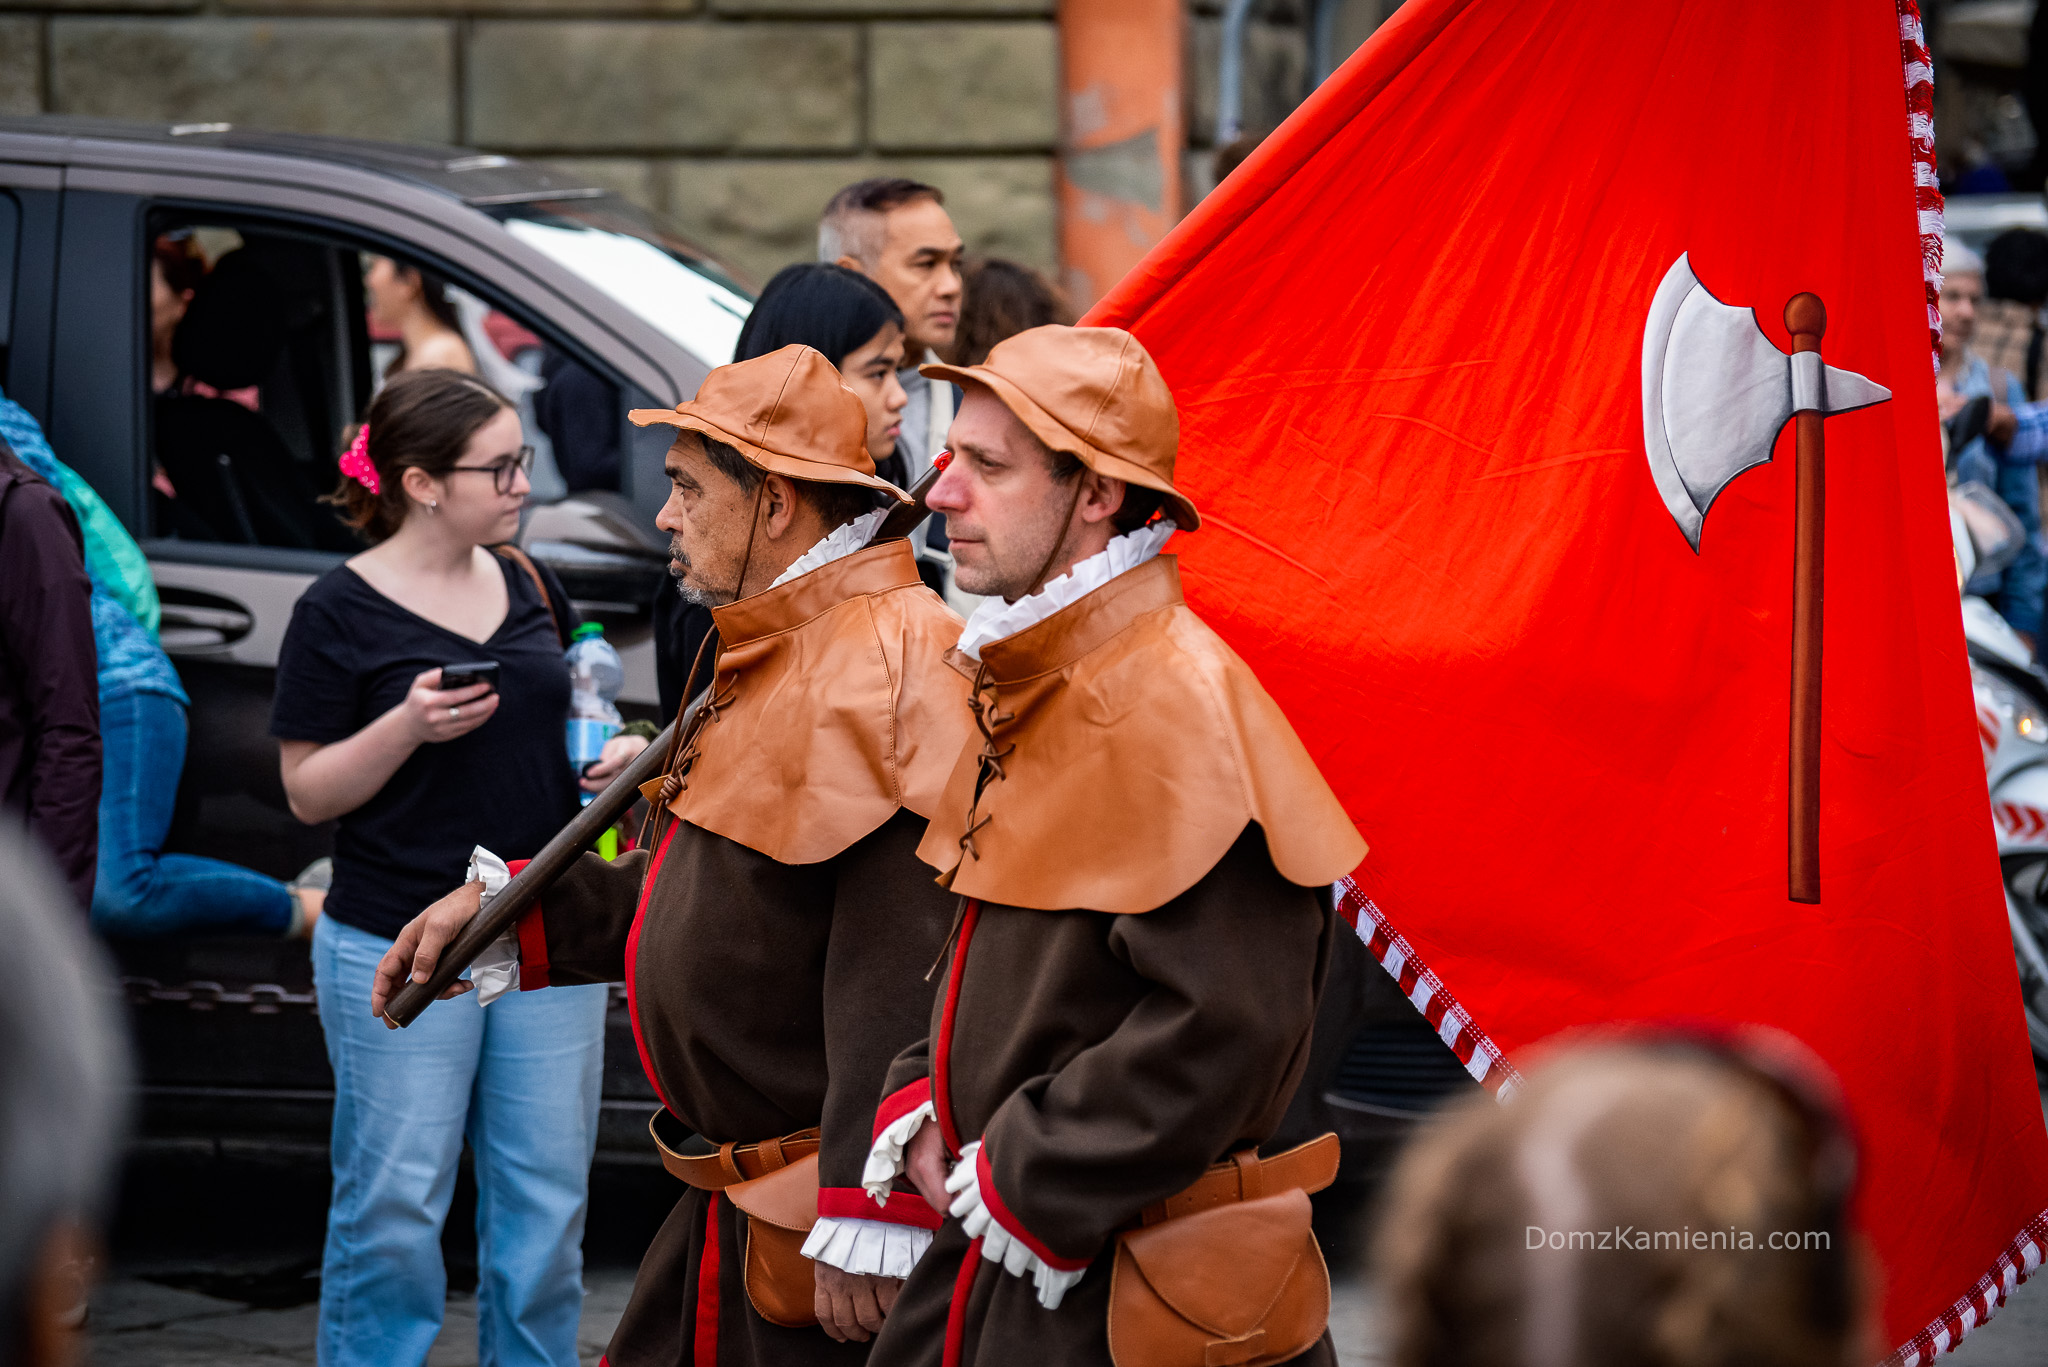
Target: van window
268 342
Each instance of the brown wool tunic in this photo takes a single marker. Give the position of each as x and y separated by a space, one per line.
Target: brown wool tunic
1105 1058
774 973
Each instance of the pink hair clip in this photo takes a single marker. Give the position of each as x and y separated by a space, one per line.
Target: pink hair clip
357 464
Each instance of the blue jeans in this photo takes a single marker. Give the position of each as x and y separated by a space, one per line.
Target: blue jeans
140 889
520 1079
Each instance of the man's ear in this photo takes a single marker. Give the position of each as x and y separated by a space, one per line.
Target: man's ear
1101 497
778 505
851 263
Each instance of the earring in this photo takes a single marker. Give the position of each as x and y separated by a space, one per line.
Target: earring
433 507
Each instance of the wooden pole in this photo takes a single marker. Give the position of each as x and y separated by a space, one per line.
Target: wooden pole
1806 319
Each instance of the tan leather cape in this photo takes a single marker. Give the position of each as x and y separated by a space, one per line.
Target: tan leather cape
835 705
1129 747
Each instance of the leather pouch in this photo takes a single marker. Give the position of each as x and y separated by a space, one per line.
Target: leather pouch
780 1208
1236 1285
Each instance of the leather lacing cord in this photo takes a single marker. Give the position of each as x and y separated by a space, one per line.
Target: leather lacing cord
986 693
987 719
683 749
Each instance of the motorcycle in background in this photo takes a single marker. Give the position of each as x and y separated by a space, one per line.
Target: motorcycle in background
2011 692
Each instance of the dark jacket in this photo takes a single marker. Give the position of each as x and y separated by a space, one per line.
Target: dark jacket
49 689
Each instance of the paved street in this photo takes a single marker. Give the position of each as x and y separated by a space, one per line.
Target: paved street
141 1324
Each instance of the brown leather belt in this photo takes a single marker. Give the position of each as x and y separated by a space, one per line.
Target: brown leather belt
1247 1177
727 1164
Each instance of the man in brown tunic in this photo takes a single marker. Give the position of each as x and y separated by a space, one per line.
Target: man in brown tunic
1143 851
774 937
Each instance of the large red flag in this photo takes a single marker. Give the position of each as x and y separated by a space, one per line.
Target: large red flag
1408 340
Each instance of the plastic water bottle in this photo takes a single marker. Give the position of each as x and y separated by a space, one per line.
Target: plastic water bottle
595 678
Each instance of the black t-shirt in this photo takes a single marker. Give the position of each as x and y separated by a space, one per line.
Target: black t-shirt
348 657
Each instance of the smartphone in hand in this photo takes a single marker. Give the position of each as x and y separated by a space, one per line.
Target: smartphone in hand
469 674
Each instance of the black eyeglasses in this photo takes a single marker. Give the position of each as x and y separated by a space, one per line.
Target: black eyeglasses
500 471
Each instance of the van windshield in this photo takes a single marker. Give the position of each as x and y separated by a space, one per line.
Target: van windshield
632 258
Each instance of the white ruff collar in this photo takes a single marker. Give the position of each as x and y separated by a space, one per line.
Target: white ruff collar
836 544
995 619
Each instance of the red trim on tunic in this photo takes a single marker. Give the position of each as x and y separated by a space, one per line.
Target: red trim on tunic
633 953
900 1103
1002 1215
854 1203
533 951
956 1313
704 1346
942 1101
533 940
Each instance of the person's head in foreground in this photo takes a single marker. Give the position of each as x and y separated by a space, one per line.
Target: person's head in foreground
1650 1200
63 1070
897 233
770 457
1065 439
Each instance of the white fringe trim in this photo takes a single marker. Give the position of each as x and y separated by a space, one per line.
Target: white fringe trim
872 1248
885 1158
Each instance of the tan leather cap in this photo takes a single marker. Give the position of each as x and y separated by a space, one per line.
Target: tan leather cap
1091 392
787 413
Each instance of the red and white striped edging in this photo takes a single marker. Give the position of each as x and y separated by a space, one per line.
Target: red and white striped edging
2021 1259
1919 68
1482 1058
2024 1255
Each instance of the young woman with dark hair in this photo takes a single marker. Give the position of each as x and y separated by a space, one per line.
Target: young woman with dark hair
417 776
413 302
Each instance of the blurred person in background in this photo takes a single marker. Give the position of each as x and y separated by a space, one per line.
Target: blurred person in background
138 889
2008 326
1003 298
2008 467
1741 1136
857 326
413 303
417 776
897 233
63 1076
49 701
175 270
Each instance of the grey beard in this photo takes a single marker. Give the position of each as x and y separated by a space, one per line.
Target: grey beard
699 598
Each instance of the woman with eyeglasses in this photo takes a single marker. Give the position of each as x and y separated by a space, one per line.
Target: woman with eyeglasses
415 776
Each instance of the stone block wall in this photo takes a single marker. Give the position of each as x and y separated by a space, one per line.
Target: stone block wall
735 118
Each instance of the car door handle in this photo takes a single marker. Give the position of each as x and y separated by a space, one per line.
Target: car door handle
199 623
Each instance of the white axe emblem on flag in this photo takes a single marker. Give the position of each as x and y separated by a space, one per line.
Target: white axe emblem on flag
1716 393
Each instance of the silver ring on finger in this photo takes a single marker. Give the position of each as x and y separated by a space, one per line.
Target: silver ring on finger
455 712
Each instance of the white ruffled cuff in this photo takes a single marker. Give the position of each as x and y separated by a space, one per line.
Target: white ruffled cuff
496 970
998 1245
885 1159
874 1248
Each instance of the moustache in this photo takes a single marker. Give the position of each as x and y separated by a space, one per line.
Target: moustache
678 559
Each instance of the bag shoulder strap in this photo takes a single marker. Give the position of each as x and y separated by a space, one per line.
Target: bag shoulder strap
525 562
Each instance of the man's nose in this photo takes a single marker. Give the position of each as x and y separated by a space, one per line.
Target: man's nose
949 494
670 518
